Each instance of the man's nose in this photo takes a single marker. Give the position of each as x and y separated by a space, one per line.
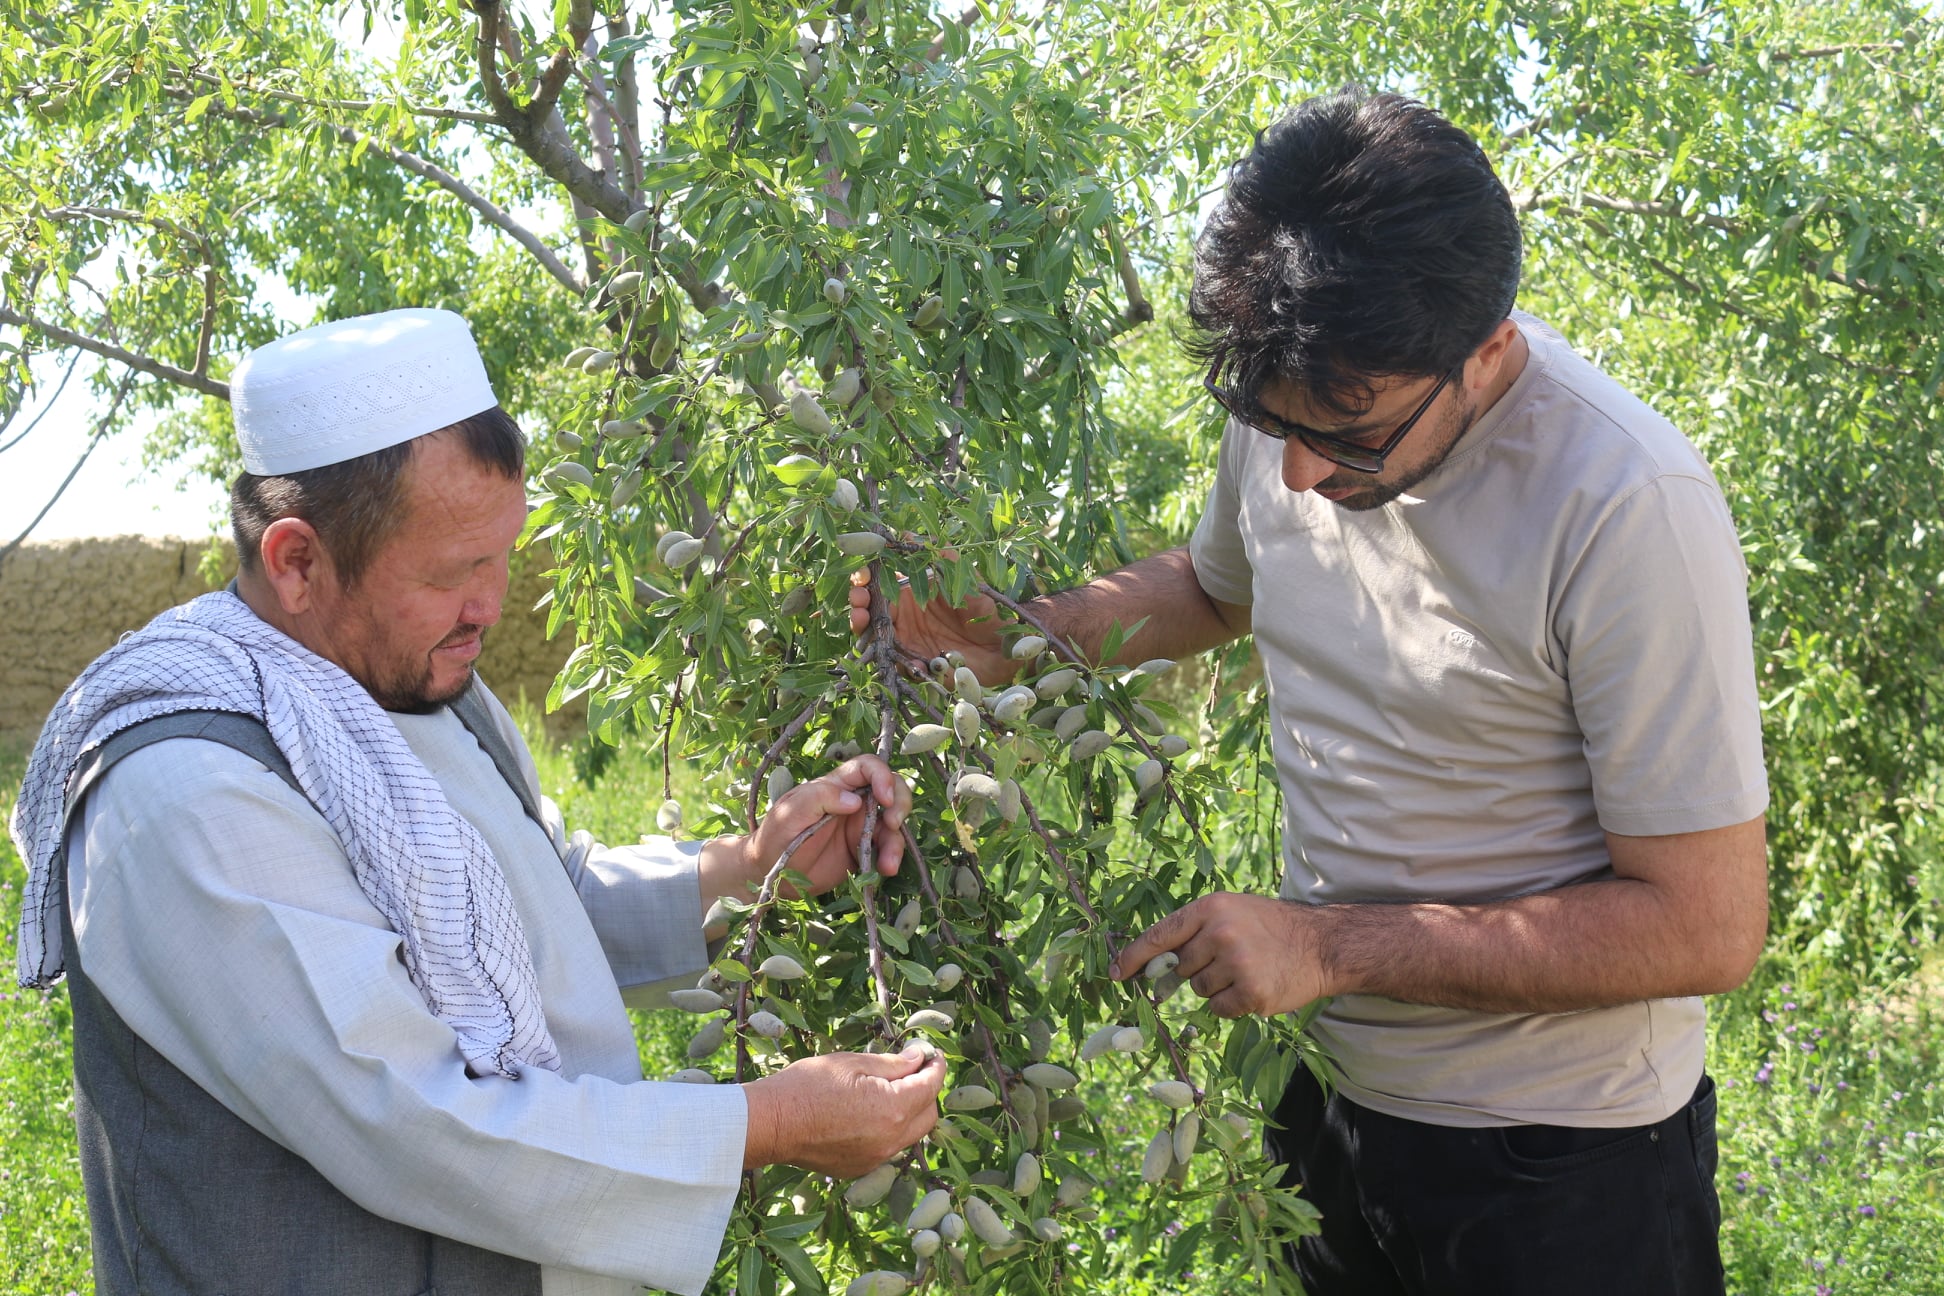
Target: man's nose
484 605
1302 467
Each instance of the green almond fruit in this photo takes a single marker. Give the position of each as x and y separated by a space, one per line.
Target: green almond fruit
1054 683
781 967
985 1222
695 1001
924 738
626 487
1100 1043
844 388
1026 1175
966 723
1071 721
1187 1132
623 429
1159 1158
929 312
1090 744
637 221
598 362
834 291
669 817
1172 1093
1171 746
1047 1230
578 356
981 787
668 541
692 1075
878 1282
568 440
808 414
561 474
661 352
860 544
625 284
970 1097
949 975
872 1188
951 1226
1027 648
930 1211
1047 1075
708 1039
925 1243
767 1024
843 496
1161 964
683 552
930 1019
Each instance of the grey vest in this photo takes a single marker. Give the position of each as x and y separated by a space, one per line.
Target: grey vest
184 1197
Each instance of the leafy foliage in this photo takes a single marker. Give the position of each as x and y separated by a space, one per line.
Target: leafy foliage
976 220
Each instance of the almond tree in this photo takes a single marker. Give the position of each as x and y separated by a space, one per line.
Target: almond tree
799 296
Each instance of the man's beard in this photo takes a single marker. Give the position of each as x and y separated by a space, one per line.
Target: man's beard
409 690
1371 495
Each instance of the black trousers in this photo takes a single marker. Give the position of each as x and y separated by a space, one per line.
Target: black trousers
1411 1209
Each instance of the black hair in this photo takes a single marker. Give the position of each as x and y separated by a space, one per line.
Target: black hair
1363 237
354 506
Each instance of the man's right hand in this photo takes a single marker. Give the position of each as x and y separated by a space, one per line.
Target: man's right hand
935 628
843 1114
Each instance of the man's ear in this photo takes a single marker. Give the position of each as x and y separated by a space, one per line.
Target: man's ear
1494 350
292 562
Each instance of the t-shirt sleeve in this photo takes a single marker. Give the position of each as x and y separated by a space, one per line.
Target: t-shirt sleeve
1221 558
1653 621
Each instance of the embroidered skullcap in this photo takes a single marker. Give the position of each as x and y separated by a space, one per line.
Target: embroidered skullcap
344 389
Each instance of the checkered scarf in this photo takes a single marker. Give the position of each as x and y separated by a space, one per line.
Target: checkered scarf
425 868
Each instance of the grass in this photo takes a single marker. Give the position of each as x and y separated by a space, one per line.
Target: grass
1832 1109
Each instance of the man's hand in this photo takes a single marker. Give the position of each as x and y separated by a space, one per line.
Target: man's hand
935 628
1243 953
843 1114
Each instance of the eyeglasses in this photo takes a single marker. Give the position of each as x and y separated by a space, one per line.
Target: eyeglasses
1338 450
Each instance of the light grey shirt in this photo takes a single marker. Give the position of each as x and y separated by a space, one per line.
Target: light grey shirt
219 917
1545 641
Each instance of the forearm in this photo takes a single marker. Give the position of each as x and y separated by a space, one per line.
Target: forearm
1591 945
724 868
1180 618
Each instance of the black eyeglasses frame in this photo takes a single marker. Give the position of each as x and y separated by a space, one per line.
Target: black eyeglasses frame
1338 450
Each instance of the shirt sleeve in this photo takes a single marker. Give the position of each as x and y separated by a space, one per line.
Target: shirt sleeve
1217 550
1653 621
220 918
645 901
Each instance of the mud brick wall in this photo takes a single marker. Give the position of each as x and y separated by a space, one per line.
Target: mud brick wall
63 602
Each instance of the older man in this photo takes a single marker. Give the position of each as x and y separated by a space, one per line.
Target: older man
1501 611
349 1002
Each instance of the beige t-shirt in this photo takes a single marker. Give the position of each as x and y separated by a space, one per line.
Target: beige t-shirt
1548 638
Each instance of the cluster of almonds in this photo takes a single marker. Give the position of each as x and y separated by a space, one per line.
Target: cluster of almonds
1019 717
712 994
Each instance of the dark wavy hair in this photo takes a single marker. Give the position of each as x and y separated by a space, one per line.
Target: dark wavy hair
355 506
1363 237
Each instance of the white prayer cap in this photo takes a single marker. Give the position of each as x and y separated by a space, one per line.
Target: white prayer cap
331 393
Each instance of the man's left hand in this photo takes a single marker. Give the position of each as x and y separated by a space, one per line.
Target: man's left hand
829 855
1243 953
